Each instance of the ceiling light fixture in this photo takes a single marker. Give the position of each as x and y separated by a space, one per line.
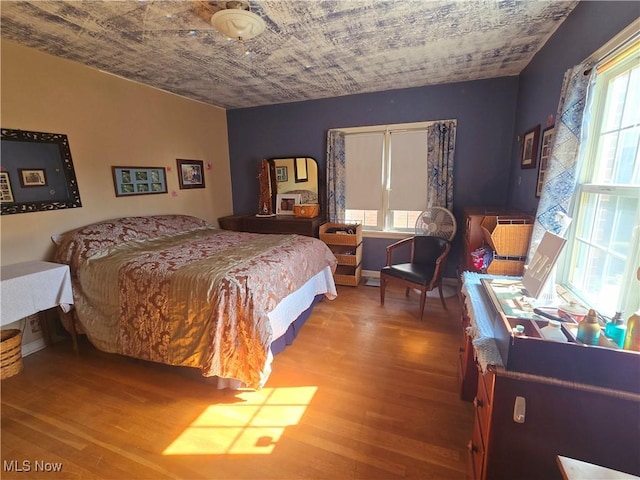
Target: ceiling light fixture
237 21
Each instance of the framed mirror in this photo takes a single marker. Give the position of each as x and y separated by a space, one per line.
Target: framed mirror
37 172
295 176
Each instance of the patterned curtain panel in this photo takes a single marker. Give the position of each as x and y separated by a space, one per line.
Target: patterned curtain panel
441 142
561 177
335 176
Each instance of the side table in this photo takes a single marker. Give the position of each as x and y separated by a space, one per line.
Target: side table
33 287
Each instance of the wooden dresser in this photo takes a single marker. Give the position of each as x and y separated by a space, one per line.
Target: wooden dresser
472 236
541 399
309 227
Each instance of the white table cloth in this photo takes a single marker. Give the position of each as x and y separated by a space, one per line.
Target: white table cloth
33 287
481 323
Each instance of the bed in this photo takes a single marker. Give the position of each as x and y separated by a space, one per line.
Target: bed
174 289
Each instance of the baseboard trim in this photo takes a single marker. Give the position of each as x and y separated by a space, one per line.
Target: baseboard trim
32 347
371 273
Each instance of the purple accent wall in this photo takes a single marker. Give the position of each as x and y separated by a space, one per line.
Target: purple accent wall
588 27
485 111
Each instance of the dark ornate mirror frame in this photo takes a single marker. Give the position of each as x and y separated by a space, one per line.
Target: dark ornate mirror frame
46 157
274 178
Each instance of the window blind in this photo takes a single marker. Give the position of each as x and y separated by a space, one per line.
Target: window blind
363 170
408 184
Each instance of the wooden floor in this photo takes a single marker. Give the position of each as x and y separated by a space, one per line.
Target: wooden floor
365 392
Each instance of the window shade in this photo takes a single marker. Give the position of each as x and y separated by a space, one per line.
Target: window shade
408 171
364 170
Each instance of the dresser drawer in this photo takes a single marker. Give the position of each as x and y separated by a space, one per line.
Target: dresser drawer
476 454
483 402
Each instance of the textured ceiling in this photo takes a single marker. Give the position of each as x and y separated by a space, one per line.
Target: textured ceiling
311 49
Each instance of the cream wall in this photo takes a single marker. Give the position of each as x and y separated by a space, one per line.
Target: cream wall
109 121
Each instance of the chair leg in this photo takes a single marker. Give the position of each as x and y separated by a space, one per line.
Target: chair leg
423 299
383 284
442 296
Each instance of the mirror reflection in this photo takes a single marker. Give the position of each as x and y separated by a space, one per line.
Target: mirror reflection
295 175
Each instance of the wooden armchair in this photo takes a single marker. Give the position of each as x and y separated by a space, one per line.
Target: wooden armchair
423 272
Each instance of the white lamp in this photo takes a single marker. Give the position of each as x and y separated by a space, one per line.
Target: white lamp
237 22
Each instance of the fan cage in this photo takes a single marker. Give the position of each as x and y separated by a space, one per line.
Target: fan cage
437 221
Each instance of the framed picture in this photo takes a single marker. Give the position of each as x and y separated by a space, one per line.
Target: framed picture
139 180
301 172
282 174
530 148
285 203
32 177
545 153
6 194
191 173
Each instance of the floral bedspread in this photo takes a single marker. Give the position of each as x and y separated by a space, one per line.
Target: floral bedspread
175 290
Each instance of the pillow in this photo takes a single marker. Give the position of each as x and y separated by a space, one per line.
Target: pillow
57 239
75 246
306 196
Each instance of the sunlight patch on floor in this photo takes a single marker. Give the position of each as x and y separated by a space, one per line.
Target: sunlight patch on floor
251 426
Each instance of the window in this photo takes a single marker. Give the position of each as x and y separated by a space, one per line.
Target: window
386 176
601 257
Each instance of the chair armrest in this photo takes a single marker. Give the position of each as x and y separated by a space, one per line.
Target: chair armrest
440 261
398 244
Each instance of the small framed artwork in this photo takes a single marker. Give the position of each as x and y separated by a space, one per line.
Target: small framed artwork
32 177
139 180
301 172
6 194
545 153
191 173
285 203
530 148
282 174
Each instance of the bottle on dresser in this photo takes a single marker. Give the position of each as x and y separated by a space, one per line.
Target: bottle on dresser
616 329
632 338
589 329
552 331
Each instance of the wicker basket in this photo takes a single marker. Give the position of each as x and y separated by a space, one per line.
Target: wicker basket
507 235
347 254
348 275
306 210
341 238
10 353
506 266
